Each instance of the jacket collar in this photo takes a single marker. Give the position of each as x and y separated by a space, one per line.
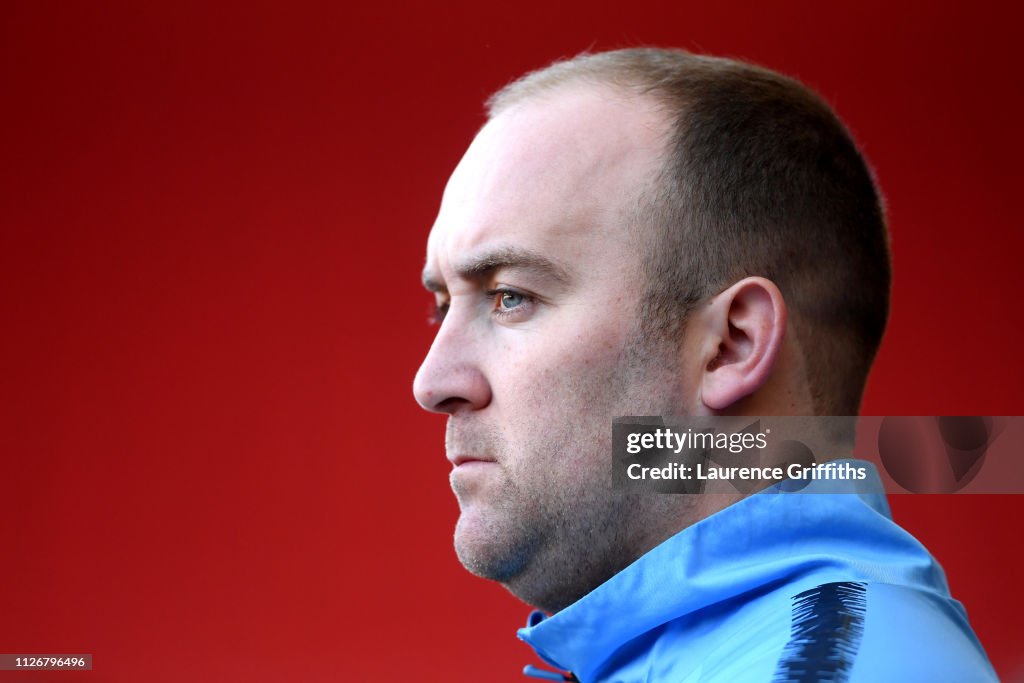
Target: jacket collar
767 537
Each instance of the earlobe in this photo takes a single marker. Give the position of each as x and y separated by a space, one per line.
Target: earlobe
746 324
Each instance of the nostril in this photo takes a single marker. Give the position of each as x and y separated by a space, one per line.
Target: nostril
450 404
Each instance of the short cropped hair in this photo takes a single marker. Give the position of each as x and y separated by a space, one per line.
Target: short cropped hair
761 178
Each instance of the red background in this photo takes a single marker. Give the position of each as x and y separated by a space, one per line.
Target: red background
213 222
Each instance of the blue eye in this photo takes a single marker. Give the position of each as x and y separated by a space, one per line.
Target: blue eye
510 305
511 299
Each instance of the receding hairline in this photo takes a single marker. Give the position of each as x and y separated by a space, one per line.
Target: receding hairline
586 69
642 71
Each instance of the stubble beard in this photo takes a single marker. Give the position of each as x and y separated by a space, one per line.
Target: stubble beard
551 527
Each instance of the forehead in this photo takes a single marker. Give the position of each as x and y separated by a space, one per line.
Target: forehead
556 173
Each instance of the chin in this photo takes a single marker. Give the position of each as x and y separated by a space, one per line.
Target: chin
487 549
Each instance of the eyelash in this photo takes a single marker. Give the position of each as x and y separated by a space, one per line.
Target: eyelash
441 309
499 292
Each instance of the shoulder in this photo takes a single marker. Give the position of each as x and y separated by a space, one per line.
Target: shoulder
913 634
844 631
861 631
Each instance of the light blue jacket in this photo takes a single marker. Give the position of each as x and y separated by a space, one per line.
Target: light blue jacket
777 587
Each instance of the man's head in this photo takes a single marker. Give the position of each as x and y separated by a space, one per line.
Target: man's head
642 232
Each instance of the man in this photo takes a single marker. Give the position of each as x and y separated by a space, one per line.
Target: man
650 232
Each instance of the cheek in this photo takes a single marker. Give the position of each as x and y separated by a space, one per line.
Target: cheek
574 337
555 372
556 408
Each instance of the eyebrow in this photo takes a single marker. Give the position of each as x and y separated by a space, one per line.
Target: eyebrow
482 266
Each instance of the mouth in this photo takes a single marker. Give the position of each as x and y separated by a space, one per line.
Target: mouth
460 460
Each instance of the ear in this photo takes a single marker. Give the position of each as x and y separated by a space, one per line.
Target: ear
744 327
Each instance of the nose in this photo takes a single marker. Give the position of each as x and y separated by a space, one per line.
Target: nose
451 377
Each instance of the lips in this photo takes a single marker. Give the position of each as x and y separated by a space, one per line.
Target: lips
458 460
